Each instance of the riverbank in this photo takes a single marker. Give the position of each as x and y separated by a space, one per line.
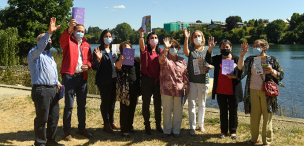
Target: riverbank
17 115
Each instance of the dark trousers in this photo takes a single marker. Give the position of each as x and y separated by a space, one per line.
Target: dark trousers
74 84
228 102
148 88
47 111
108 99
127 111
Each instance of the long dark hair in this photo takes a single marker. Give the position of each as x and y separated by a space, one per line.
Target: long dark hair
148 44
102 41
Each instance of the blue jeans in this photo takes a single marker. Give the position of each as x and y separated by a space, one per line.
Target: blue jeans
74 84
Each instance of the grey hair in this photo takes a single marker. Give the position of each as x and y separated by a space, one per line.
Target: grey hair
40 36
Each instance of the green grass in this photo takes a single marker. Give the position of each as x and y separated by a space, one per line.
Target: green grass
212 121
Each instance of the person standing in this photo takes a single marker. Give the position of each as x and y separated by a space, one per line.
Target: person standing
128 90
174 81
199 83
44 78
150 69
228 87
105 79
77 58
256 102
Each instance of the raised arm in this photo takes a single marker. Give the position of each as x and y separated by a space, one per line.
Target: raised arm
185 48
244 50
211 44
97 55
65 37
163 56
141 40
119 62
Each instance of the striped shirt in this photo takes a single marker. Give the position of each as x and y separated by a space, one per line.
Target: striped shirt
42 66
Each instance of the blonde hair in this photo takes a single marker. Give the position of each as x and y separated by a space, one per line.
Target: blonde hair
263 43
192 38
175 42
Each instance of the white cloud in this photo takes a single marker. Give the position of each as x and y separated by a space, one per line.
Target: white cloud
119 7
231 11
114 10
105 7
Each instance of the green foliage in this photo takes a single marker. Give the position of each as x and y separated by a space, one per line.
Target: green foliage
295 19
122 33
274 31
198 21
231 22
290 37
93 35
238 19
251 23
32 17
9 40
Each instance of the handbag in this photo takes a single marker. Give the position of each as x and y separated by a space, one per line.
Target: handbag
270 88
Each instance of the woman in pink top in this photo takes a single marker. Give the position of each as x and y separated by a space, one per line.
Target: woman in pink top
150 79
173 81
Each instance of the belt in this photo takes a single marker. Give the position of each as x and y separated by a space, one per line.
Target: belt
78 74
47 86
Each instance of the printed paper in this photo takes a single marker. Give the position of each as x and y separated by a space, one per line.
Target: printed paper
128 53
227 66
115 49
198 66
78 14
259 63
146 24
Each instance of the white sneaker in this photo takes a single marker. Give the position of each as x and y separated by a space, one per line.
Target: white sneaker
203 130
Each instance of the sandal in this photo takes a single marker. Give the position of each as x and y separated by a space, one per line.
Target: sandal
252 143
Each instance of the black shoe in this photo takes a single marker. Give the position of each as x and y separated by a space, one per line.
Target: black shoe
159 128
233 137
132 131
221 136
148 130
53 143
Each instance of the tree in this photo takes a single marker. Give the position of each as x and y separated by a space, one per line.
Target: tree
93 35
32 17
231 22
274 30
238 19
265 21
9 40
122 32
251 23
256 23
260 21
198 21
211 22
295 20
245 22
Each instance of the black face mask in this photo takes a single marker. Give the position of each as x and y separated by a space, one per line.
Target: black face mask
48 46
225 52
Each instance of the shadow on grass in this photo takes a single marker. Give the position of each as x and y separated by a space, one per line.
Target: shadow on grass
136 138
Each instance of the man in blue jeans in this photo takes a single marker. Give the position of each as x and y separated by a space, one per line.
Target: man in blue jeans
77 58
44 78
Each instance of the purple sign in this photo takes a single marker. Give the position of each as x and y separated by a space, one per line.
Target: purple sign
227 66
128 53
78 15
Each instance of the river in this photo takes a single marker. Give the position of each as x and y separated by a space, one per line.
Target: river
291 59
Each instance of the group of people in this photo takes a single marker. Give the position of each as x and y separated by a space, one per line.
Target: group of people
158 73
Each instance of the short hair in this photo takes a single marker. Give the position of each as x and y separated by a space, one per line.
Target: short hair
192 39
40 36
175 42
122 44
78 25
263 43
225 41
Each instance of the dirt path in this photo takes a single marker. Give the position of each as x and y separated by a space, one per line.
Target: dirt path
7 92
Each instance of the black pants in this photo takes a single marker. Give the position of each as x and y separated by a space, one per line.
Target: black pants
228 102
148 88
108 99
47 111
127 111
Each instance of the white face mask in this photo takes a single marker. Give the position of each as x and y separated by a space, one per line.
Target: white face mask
198 41
173 51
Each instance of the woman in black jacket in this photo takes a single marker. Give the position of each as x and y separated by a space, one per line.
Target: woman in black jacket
228 87
104 62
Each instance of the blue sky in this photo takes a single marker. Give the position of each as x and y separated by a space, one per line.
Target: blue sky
108 13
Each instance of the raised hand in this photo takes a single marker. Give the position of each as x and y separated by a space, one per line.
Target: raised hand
98 54
211 43
244 48
187 33
72 24
167 42
141 32
53 26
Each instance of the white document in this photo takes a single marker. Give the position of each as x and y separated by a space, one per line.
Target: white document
258 65
196 68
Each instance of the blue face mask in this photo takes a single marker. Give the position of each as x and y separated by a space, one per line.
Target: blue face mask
107 40
257 51
79 36
173 51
